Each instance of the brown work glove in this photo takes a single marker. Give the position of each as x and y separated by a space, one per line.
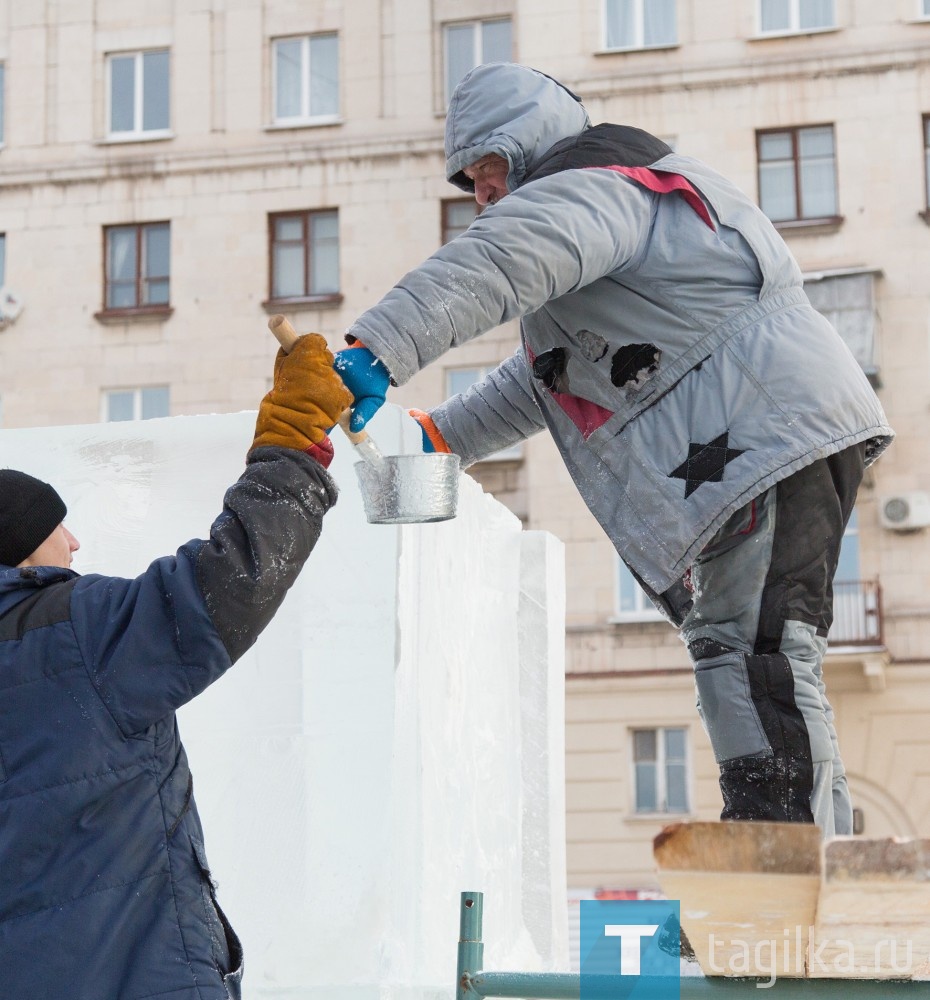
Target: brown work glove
305 401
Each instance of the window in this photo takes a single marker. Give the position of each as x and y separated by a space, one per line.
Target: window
306 79
797 174
632 604
138 95
856 603
135 404
639 24
847 299
2 99
470 44
926 126
457 215
304 254
785 16
137 266
458 380
925 8
660 770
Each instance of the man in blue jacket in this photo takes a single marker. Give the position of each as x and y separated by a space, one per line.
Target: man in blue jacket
714 423
105 890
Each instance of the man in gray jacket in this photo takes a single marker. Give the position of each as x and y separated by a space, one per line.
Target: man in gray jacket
714 423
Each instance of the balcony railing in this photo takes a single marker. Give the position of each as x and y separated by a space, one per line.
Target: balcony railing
857 613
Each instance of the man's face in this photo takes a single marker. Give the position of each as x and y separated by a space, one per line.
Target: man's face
56 550
490 177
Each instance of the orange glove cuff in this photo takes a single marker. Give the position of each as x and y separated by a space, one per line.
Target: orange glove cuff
431 430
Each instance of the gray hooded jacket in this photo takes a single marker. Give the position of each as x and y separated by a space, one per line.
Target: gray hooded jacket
668 344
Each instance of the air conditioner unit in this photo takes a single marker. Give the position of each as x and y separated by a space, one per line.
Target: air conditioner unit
11 305
905 511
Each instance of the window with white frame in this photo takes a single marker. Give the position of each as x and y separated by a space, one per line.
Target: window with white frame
142 403
632 604
137 266
306 79
797 173
468 44
924 8
138 95
304 254
458 381
639 24
847 299
660 770
784 17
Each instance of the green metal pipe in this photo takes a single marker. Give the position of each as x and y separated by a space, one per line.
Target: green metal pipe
567 986
471 947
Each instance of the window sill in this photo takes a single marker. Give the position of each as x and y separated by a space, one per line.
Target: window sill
626 50
636 618
303 302
793 33
810 227
142 314
123 139
505 457
660 817
296 123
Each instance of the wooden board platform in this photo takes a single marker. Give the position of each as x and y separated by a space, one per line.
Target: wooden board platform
771 900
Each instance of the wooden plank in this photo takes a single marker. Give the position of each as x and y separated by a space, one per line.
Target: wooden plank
873 913
748 893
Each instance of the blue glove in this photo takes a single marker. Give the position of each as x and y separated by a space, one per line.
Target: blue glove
366 378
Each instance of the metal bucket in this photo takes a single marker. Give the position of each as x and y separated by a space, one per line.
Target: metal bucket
409 489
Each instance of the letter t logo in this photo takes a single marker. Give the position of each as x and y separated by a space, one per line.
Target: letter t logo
630 936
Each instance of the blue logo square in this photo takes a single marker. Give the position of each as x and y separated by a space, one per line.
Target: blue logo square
630 949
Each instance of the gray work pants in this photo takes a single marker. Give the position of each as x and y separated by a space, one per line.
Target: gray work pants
762 604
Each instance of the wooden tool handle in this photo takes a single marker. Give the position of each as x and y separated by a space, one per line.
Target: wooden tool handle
281 327
287 336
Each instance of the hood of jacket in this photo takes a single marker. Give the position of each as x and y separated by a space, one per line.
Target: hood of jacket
511 110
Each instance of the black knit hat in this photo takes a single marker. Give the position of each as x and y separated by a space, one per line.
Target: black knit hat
30 511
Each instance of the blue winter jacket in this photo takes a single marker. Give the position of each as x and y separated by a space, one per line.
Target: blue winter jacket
105 890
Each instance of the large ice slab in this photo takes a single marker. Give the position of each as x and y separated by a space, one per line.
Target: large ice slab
395 736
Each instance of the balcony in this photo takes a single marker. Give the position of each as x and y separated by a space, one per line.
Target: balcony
857 613
646 646
856 649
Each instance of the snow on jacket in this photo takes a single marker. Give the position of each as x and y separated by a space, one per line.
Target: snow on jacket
105 890
667 341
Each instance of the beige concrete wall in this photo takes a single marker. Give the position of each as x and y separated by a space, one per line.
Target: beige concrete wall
225 169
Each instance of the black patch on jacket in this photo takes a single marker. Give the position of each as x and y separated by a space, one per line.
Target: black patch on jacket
550 367
47 606
632 365
705 463
603 145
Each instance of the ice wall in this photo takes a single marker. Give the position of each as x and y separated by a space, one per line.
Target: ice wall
394 738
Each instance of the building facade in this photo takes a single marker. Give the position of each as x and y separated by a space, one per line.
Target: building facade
172 173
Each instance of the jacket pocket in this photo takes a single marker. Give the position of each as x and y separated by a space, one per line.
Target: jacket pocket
227 949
